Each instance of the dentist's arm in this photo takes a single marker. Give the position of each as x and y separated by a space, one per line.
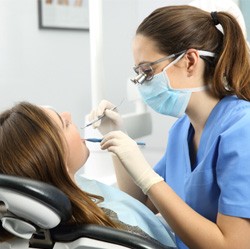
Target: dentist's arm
126 184
195 230
131 158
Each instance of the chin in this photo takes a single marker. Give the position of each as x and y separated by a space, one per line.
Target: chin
85 155
87 152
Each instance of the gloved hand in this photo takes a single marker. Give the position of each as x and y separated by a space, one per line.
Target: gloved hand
132 159
112 120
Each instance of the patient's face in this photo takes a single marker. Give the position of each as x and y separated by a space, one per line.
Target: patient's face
78 151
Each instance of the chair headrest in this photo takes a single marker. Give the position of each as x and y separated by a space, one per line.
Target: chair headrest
29 203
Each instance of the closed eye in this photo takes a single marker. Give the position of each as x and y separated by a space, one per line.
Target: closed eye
67 123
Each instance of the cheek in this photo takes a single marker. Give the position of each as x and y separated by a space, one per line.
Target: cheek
176 77
78 152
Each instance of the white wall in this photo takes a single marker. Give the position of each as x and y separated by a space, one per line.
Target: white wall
42 66
245 8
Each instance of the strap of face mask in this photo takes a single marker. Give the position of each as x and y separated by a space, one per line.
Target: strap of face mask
201 52
206 53
202 88
196 89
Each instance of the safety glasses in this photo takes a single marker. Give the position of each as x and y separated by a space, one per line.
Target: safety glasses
145 71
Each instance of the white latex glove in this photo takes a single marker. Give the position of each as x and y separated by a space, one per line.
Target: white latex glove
132 159
112 120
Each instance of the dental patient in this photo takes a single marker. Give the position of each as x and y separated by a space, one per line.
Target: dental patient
38 143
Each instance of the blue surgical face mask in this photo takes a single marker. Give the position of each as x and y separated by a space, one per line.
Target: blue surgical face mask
161 97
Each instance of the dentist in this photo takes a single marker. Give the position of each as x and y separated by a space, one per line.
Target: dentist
187 68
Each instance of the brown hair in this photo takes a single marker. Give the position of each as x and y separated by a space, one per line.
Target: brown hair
178 28
32 146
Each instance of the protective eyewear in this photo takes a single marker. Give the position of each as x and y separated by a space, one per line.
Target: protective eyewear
145 71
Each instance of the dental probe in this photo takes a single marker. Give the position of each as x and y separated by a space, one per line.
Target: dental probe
98 140
101 116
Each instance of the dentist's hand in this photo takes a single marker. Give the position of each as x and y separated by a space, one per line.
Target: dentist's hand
132 159
112 120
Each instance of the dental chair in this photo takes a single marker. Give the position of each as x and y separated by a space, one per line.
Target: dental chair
35 213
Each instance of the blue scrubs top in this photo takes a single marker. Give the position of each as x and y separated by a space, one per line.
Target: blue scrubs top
128 209
219 179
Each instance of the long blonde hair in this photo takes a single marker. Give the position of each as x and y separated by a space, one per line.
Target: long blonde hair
32 146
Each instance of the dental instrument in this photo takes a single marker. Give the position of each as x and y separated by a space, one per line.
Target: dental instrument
98 140
101 116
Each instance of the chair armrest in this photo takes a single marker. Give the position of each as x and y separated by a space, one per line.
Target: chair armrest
107 234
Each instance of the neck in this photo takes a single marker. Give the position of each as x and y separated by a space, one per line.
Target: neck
200 106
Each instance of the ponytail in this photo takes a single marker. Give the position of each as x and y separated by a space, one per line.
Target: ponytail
232 71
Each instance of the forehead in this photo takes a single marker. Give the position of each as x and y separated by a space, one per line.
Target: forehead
53 115
145 50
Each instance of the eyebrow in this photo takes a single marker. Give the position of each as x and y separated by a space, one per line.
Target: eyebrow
143 62
60 118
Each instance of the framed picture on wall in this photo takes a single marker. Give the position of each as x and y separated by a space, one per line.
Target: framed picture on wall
63 14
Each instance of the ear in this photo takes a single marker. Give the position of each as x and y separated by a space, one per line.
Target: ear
192 57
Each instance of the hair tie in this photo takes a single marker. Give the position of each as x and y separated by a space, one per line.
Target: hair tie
215 18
